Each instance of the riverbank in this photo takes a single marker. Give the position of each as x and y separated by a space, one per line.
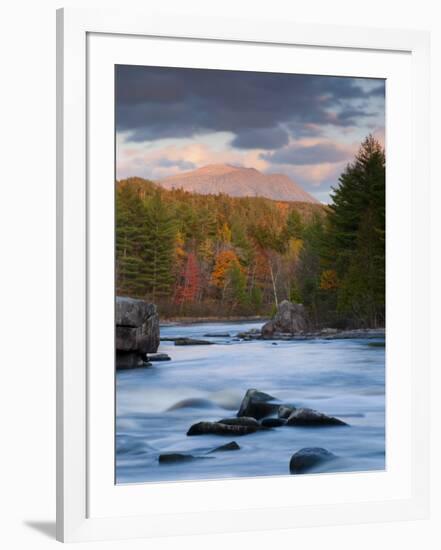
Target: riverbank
195 320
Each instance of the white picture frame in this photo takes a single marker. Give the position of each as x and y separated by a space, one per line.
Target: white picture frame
88 508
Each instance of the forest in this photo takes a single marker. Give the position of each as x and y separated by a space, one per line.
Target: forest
216 256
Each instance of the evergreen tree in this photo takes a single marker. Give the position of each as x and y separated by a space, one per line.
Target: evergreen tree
356 244
129 242
159 237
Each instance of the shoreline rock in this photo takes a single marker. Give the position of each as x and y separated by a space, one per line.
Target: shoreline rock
159 357
322 334
191 342
136 331
290 318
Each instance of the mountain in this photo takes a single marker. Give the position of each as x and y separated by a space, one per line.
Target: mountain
237 181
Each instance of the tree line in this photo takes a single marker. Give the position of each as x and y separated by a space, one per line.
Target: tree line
220 256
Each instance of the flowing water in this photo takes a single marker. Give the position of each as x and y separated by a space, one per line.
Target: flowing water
343 378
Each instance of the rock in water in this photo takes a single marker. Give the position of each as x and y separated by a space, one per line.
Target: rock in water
309 417
256 404
285 411
242 421
159 357
289 319
232 446
216 428
307 458
191 342
137 331
273 422
173 458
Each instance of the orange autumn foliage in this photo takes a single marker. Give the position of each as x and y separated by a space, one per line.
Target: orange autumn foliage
224 261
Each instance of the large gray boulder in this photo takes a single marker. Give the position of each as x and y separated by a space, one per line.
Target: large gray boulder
136 331
289 319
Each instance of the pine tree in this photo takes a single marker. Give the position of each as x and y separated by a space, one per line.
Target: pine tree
159 237
129 242
356 248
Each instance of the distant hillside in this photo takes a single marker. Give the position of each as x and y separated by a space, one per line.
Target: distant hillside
245 206
238 182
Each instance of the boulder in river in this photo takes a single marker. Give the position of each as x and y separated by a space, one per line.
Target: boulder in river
242 421
217 335
257 404
217 428
136 331
159 357
289 319
285 411
173 458
232 446
308 458
310 417
272 422
191 342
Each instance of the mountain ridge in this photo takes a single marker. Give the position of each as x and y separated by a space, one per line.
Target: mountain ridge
238 181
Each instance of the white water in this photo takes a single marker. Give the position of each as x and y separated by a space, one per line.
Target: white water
343 378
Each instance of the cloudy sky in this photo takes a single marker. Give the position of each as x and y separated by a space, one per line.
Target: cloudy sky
307 127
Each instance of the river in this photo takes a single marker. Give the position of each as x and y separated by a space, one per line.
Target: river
343 378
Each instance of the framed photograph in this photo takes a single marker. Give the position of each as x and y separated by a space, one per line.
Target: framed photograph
242 275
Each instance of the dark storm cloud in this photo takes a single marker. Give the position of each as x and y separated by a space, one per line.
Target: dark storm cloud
258 108
261 138
303 155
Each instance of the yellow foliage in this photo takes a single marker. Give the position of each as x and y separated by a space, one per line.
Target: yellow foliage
224 261
294 248
225 233
328 280
180 253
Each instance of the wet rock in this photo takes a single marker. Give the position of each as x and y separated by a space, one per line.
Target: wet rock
136 331
242 421
273 422
285 411
159 357
130 360
232 446
192 402
256 404
309 417
191 342
173 458
217 335
307 458
253 334
216 428
289 319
